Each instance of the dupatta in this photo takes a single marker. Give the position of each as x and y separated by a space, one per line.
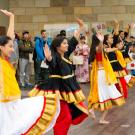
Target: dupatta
9 89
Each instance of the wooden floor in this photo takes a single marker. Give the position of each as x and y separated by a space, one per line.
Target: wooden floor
122 119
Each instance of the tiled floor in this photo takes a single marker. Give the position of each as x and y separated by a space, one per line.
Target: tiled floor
122 119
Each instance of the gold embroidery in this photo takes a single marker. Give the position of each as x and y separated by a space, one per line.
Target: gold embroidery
113 61
107 105
62 77
66 60
70 97
46 118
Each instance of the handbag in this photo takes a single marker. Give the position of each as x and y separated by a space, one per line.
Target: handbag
77 60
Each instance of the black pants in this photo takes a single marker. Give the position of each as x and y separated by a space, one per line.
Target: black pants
41 74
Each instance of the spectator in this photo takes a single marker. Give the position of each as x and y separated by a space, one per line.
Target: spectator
25 48
82 51
39 56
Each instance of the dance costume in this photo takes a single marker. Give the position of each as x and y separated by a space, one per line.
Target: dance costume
125 51
103 93
30 116
118 64
129 78
62 81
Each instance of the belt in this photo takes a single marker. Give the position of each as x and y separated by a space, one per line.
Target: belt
62 77
113 61
101 68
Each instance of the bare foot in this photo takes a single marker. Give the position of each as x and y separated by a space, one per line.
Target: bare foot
92 114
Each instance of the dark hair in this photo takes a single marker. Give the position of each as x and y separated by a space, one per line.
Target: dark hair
82 37
126 34
105 39
120 31
42 31
94 44
4 40
57 42
17 36
25 32
63 33
132 37
116 40
58 35
112 31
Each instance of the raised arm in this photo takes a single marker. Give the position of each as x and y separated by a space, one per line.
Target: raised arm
117 27
127 28
107 50
47 53
74 40
10 31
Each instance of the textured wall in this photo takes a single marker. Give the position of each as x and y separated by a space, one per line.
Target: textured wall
33 14
4 4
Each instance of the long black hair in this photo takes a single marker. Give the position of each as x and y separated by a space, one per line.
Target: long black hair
4 40
116 40
57 42
105 39
94 44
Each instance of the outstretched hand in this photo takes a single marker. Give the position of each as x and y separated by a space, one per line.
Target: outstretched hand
47 53
80 23
116 22
7 13
81 26
100 36
128 26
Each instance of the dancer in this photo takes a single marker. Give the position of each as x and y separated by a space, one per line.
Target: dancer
30 116
103 93
124 37
114 45
63 82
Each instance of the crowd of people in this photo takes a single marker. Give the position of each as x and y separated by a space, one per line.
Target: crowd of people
57 99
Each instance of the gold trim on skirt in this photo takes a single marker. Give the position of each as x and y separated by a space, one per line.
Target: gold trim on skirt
107 104
69 97
121 73
47 116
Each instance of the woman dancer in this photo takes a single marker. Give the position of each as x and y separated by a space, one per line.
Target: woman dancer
117 61
62 81
103 93
31 116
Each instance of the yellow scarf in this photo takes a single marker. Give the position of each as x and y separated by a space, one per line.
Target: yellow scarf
120 58
110 78
9 89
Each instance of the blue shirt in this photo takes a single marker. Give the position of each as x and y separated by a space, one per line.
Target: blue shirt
39 47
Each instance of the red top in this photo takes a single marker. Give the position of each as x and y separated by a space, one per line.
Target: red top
99 56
